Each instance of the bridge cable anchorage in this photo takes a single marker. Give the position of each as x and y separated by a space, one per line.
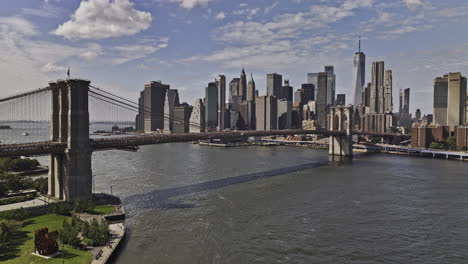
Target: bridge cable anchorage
134 105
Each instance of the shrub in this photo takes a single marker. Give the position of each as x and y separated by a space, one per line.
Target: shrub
17 199
59 209
7 229
69 234
17 214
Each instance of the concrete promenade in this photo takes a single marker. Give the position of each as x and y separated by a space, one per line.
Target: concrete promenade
39 201
117 232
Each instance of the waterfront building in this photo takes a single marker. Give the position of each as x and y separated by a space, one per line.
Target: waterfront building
450 100
388 92
211 107
266 113
284 114
341 99
423 135
221 83
154 98
359 77
462 138
197 118
181 119
274 84
171 101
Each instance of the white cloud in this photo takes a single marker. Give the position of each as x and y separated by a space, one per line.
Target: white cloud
50 67
133 52
220 16
99 19
413 4
17 25
189 4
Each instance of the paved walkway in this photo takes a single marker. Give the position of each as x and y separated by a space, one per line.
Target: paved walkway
117 232
38 201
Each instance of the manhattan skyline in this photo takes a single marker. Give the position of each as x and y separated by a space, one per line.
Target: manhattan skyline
188 43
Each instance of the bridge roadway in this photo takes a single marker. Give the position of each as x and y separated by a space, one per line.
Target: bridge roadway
48 148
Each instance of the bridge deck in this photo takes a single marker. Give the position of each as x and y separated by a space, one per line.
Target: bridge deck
47 148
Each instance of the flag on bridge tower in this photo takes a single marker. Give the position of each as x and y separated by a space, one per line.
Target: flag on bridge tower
68 72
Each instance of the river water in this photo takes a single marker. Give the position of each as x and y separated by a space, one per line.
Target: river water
192 204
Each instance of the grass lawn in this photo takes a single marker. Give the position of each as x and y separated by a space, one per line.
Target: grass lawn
19 250
104 209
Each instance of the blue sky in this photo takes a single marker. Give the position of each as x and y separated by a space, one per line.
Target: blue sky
121 44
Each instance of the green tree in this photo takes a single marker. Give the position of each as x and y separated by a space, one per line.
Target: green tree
451 143
40 185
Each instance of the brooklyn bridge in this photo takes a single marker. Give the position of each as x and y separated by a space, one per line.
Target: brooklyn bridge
66 106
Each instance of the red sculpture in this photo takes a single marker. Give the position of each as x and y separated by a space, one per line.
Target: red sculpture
45 242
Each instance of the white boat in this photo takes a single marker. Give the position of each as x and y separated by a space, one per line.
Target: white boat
25 134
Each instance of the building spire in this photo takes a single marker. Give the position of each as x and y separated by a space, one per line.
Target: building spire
359 43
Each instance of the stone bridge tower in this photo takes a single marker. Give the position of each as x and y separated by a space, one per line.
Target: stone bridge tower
70 174
341 120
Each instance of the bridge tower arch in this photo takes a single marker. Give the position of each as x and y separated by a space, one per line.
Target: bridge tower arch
70 173
341 121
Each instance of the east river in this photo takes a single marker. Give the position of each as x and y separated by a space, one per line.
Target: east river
191 204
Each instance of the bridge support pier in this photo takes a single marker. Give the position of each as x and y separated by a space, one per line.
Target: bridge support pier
341 120
70 174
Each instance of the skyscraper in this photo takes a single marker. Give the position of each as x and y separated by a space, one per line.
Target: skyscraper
322 100
286 92
274 84
284 114
388 89
312 78
211 106
377 88
197 118
418 114
266 113
171 101
243 85
233 89
341 99
331 84
359 76
154 97
308 92
406 101
140 118
456 99
221 83
251 104
251 89
450 100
